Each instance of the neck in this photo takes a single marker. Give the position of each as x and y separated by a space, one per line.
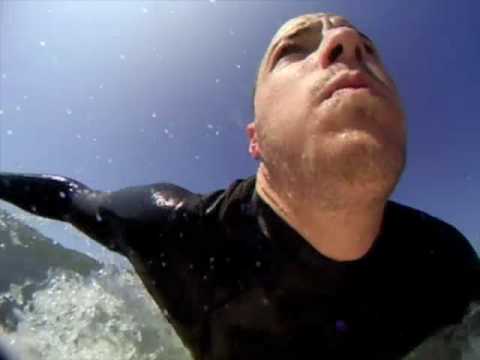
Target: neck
341 223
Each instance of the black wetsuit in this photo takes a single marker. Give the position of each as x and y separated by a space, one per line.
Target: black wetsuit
238 282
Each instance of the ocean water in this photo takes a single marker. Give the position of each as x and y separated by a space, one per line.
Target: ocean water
57 303
106 315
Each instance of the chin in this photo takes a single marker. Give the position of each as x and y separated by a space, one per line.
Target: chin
361 157
363 112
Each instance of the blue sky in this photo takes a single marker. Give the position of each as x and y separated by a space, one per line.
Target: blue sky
116 94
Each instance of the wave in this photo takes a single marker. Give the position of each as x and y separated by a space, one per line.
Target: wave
57 303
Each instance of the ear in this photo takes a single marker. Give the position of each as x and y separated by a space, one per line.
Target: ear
253 147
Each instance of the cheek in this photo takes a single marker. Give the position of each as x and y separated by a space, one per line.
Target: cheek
281 134
284 106
380 73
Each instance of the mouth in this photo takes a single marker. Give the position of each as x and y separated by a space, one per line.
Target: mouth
348 82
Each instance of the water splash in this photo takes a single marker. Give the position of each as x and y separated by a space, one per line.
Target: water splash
456 342
107 315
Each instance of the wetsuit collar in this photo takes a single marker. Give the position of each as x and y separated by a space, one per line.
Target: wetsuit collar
292 244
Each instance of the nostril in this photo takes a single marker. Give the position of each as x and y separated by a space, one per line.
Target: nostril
358 53
337 50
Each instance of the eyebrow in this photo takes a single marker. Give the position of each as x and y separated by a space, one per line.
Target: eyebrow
309 29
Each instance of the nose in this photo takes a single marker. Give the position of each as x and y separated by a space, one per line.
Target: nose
342 44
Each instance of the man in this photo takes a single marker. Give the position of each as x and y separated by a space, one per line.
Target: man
308 258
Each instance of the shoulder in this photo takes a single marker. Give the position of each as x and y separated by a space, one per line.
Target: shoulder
152 203
434 233
224 204
168 201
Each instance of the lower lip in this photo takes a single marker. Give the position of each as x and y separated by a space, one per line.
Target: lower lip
349 91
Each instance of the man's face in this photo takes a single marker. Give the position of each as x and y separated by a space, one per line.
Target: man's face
303 125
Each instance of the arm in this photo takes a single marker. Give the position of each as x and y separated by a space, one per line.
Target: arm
44 195
103 216
59 198
155 226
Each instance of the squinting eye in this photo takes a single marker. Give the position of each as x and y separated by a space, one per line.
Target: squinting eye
289 50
